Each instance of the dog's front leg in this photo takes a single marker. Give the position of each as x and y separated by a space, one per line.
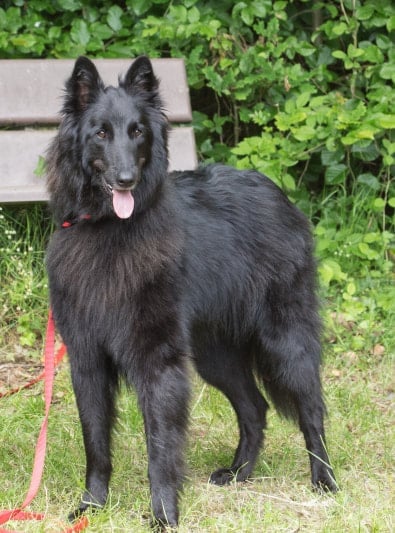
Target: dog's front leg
95 386
164 402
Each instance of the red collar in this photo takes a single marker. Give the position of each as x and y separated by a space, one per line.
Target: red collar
68 223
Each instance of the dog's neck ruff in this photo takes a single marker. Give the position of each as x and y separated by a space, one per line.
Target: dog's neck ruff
69 223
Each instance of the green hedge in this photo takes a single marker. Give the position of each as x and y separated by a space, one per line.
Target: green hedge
301 90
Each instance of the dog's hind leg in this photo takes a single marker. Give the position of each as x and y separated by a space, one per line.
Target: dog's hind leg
311 412
95 388
228 368
309 408
290 363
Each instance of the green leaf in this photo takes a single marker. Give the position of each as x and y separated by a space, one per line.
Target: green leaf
260 9
322 244
304 133
247 14
79 32
288 182
306 49
387 71
340 29
384 42
330 270
139 7
54 32
378 204
24 41
69 5
373 54
285 120
178 13
280 5
101 31
40 167
335 174
331 157
354 52
352 112
370 180
242 94
367 251
303 99
365 132
391 23
365 12
386 121
193 15
351 288
365 150
114 18
247 145
119 49
372 237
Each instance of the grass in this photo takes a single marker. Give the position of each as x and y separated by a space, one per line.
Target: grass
24 233
359 395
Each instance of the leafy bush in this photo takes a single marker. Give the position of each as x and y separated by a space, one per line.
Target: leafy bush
301 90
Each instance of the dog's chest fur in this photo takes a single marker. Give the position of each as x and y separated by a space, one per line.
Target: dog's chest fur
130 273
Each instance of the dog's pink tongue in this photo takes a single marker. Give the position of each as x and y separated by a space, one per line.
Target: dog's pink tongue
123 203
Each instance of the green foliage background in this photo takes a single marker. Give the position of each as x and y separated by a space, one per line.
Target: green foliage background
301 90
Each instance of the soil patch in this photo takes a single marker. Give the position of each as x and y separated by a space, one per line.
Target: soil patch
18 371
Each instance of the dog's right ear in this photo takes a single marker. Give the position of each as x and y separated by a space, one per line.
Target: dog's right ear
83 86
140 77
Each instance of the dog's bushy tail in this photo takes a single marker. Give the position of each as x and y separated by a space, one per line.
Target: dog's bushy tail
287 357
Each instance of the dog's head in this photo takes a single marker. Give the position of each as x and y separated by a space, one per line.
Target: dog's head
114 134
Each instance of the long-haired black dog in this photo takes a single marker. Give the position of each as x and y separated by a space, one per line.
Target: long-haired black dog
151 269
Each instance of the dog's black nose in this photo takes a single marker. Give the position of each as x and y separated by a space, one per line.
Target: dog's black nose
126 179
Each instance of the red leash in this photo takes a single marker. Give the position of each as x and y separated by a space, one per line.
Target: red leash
49 373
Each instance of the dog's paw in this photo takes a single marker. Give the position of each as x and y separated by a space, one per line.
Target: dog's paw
160 527
77 513
222 476
82 508
163 525
325 482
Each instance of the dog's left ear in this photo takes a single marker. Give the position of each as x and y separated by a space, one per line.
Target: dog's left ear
140 77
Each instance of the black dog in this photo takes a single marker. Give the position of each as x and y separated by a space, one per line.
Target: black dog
150 269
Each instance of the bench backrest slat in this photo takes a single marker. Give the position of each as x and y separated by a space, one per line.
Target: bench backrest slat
31 89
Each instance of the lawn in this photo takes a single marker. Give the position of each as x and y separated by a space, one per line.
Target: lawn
359 391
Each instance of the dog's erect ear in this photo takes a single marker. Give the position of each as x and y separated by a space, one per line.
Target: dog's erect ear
140 77
83 86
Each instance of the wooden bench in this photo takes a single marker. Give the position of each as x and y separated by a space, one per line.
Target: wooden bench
30 100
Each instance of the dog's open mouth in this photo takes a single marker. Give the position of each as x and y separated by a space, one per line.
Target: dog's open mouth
122 201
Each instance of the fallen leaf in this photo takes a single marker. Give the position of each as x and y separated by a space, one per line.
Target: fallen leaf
378 350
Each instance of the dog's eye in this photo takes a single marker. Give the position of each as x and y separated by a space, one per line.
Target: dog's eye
135 132
102 134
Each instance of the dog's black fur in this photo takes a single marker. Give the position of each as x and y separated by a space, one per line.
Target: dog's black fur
214 265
